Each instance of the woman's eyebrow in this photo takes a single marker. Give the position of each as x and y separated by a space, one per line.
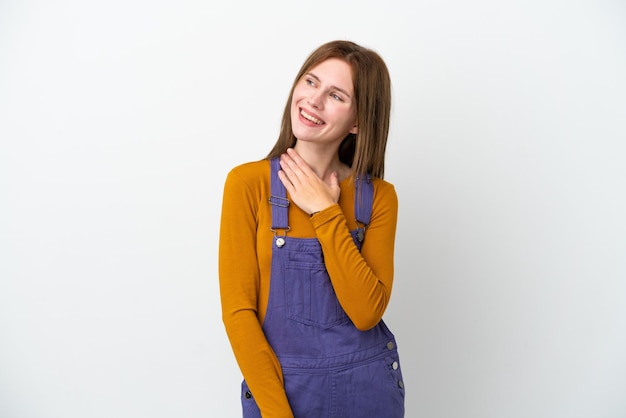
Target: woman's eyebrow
332 87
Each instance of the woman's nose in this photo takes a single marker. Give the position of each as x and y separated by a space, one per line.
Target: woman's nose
315 99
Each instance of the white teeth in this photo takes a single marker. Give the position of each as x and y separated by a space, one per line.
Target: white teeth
311 118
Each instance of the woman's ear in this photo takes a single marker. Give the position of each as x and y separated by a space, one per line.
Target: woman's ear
354 130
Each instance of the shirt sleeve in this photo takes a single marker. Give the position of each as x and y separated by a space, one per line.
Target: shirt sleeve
362 280
239 290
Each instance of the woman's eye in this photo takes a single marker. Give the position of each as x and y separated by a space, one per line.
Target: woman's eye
310 82
336 97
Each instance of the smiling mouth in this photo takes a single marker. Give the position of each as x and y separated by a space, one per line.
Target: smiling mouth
311 118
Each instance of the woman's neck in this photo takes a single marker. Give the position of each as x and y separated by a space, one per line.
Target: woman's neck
323 160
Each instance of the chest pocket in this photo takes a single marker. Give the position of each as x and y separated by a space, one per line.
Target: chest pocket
311 299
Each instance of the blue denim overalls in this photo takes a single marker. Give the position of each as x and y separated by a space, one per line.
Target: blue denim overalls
331 369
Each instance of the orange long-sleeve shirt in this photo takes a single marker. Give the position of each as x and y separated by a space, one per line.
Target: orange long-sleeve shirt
362 280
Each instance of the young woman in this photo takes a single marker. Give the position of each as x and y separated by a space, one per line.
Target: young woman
306 250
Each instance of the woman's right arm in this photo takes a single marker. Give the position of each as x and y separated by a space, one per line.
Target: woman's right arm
239 290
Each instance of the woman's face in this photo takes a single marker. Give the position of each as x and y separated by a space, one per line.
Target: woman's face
322 107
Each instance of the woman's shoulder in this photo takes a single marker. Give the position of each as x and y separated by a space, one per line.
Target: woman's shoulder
384 193
251 172
248 181
383 186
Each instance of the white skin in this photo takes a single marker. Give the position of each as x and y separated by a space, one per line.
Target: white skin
323 112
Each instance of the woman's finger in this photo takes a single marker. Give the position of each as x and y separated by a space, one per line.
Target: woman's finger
289 170
286 181
299 162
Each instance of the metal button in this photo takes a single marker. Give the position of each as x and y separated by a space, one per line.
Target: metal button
360 236
248 395
400 384
280 242
390 345
394 365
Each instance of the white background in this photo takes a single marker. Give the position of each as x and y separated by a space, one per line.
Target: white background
120 119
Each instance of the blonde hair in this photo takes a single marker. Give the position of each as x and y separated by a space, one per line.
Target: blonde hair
364 151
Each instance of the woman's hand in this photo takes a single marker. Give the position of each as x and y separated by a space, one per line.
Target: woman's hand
307 190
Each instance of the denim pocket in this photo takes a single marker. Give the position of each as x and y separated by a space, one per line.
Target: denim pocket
310 295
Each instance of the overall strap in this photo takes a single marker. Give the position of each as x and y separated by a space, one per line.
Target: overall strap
278 198
363 199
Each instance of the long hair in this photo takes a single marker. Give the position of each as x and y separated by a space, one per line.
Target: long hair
364 151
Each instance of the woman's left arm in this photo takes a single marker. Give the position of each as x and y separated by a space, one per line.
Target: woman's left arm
362 280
